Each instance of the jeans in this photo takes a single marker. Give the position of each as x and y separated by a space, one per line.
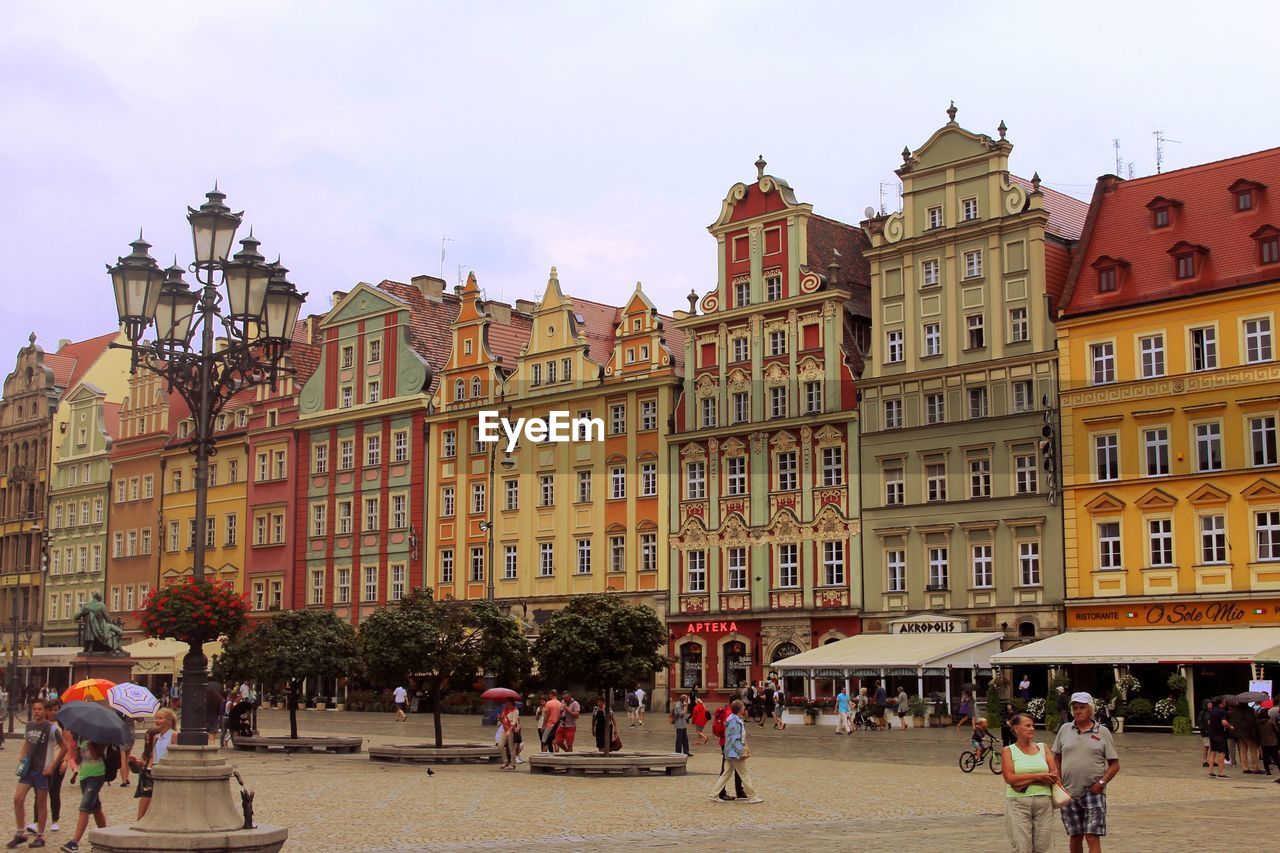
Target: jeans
1029 823
682 741
89 788
508 747
732 766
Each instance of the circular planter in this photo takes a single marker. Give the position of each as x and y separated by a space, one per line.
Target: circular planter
425 753
301 744
615 763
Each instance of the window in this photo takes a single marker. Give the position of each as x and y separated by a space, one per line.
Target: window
319 519
894 486
146 541
1155 443
510 562
1204 348
260 530
929 273
741 407
400 446
617 482
737 565
892 414
1185 266
536 379
566 366
174 534
1160 541
1103 356
548 491
1025 476
512 494
973 264
978 403
982 572
320 459
895 564
211 532
584 556
741 349
449 444
375 351
477 564
348 356
697 571
344 517
788 565
617 419
84 512
773 288
1257 340
584 486
832 466
551 377
695 481
736 475
546 559
369 591
1160 217
617 554
446 566
176 480
935 474
1151 348
233 470
97 509
648 479
813 398
120 487
708 411
778 401
648 552
741 293
1266 527
977 335
1213 538
117 545
778 342
1023 397
1029 563
373 391
148 487
787 479
346 454
893 347
1019 327
1109 545
372 511
980 478
128 597
969 209
1106 456
231 529
934 217
447 502
477 446
939 571
932 339
648 414
1269 250
935 408
1209 446
1262 440
315 594
346 397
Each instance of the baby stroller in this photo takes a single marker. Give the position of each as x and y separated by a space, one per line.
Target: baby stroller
240 719
863 721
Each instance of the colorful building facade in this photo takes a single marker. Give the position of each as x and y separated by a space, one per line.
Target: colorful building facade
958 399
764 505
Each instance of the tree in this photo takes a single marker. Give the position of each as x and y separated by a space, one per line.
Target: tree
442 642
288 648
600 641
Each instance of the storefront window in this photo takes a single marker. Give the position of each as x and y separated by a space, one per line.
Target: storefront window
792 685
690 666
735 664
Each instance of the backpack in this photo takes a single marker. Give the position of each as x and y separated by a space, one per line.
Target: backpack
632 702
111 760
717 725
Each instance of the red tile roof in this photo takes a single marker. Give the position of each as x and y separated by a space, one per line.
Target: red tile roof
430 324
1066 213
599 323
111 419
1120 226
828 236
72 361
508 340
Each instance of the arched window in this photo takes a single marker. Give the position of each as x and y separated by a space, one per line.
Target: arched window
690 666
1026 629
475 387
784 650
459 390
735 669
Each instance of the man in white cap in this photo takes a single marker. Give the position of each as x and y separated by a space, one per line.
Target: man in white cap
1087 761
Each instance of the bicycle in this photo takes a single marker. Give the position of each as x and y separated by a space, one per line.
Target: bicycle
969 760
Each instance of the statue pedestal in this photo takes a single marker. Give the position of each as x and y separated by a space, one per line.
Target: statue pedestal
114 668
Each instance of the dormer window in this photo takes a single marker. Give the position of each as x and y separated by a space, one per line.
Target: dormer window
1107 280
1268 237
1245 195
1244 200
1186 266
1110 272
1187 258
1162 211
1161 217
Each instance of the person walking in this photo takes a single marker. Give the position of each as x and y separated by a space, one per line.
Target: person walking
126 748
87 761
1267 741
699 716
1202 726
965 712
600 724
35 766
568 723
881 702
1006 716
509 720
1244 723
552 710
735 756
539 717
155 745
680 720
1087 760
1029 772
1219 726
904 706
639 694
1024 688
718 729
401 699
842 713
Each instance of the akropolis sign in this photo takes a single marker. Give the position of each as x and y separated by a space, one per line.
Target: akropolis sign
927 623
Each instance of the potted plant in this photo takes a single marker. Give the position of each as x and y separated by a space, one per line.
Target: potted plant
919 711
194 611
942 712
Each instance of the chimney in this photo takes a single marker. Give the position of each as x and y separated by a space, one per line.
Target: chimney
337 297
64 342
525 306
312 326
499 312
431 288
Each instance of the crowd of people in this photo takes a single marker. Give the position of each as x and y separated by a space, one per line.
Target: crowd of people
1239 734
874 711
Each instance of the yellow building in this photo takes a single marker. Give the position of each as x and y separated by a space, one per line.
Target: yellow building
1170 401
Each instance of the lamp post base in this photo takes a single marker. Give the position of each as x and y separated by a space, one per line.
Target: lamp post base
193 808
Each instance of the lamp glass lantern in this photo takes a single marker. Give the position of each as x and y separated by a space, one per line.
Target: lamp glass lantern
175 311
247 277
213 229
283 303
136 280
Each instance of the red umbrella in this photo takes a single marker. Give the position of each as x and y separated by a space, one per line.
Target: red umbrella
498 694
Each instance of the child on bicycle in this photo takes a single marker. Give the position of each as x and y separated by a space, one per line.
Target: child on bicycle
982 739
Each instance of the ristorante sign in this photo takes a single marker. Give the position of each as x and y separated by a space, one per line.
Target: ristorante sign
1176 614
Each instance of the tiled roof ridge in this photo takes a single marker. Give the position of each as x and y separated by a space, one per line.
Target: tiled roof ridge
1197 167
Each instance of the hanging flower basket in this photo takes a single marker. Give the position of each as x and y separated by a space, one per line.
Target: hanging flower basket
193 611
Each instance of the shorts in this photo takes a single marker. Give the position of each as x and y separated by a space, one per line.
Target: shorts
550 736
89 788
1204 741
901 714
1217 743
564 738
1086 815
35 779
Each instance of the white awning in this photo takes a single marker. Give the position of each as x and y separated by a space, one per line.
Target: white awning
164 657
1150 645
908 651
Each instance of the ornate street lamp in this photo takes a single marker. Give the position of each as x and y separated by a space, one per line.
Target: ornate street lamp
255 318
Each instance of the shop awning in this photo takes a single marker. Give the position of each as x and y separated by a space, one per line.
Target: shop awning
873 652
164 657
1150 645
42 656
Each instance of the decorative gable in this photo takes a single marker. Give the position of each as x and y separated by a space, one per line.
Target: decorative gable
1105 504
1208 494
1262 490
1156 499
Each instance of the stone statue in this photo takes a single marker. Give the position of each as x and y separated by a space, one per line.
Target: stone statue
98 633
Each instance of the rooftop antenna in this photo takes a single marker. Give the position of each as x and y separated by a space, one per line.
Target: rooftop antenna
1115 144
1161 139
883 184
460 280
443 240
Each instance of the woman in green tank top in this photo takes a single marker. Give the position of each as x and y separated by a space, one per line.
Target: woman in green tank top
1029 772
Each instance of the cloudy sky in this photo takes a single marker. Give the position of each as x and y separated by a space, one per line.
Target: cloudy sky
597 137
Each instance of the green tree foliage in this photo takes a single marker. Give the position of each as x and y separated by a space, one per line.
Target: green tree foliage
288 648
442 643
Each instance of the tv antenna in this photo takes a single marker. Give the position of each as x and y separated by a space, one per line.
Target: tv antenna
1123 169
1161 139
443 240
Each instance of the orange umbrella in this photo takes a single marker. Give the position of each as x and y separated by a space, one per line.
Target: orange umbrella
89 690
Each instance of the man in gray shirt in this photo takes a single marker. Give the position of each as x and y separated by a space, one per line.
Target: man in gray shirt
1087 760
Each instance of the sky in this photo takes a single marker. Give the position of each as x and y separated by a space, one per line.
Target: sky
597 137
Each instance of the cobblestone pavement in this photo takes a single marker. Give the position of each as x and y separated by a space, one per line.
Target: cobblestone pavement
870 791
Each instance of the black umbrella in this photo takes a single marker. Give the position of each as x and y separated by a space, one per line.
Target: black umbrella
93 722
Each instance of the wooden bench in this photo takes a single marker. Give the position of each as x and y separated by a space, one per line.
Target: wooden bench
617 763
424 753
332 745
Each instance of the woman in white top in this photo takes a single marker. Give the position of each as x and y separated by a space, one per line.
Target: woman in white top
157 744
